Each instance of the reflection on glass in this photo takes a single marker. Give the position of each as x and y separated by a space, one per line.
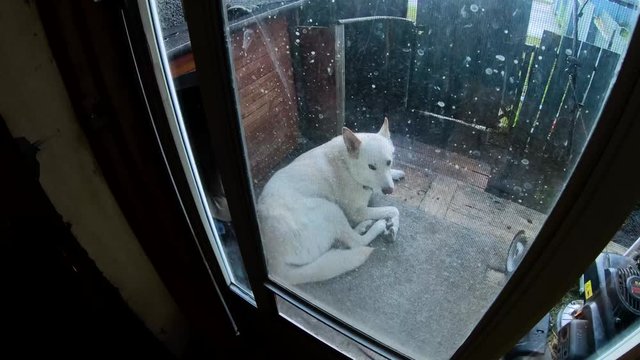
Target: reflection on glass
602 309
177 47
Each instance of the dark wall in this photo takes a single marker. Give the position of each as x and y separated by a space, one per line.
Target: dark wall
57 302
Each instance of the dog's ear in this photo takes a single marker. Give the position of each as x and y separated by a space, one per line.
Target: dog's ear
351 141
384 130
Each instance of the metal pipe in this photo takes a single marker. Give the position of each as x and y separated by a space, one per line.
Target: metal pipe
371 18
635 247
458 121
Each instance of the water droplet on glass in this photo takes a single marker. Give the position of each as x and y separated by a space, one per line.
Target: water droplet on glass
463 11
568 52
441 103
373 86
474 8
320 116
524 162
488 71
420 52
515 61
313 53
500 57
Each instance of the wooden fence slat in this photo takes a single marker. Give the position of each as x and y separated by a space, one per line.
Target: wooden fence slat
595 96
315 48
377 66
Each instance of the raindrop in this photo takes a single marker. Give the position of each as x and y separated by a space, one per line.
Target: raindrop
515 61
488 71
320 116
524 162
539 57
373 86
420 52
474 8
313 53
506 31
463 11
568 52
441 103
500 57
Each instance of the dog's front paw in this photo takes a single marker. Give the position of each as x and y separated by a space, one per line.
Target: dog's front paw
364 226
397 174
392 226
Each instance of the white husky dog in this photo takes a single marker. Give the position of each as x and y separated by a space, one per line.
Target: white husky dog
314 203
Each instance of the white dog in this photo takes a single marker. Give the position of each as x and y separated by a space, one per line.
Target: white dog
314 203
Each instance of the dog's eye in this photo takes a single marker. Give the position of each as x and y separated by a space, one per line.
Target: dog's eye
388 162
372 167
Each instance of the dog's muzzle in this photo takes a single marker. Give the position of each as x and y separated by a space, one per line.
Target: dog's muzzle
387 190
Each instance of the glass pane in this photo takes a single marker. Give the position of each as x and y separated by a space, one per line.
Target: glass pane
192 134
408 229
598 317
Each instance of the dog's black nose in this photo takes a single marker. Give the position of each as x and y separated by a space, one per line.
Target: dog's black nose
387 190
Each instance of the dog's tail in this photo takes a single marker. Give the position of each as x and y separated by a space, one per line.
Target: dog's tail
333 263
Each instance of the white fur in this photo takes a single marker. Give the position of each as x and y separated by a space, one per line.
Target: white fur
321 199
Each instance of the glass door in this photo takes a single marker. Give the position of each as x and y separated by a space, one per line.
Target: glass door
388 165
